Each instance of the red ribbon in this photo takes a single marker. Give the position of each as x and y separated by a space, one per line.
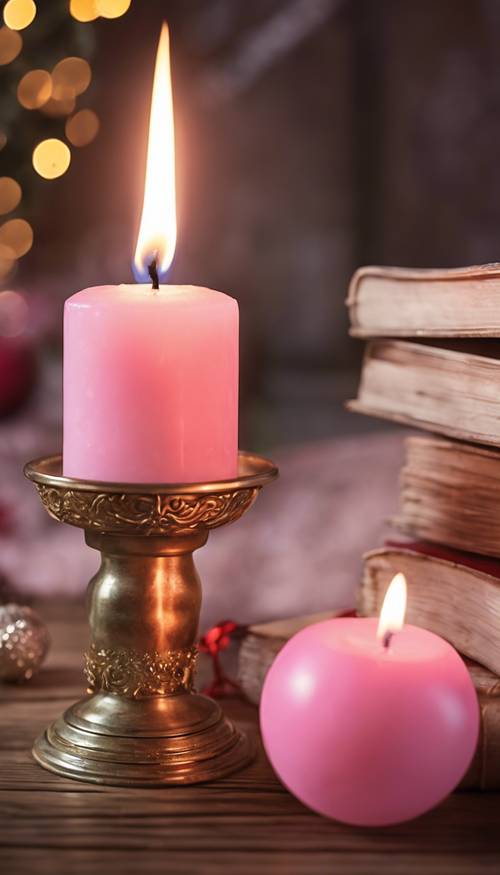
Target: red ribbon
219 638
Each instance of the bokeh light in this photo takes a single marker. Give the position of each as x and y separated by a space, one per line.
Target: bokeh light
34 89
18 14
57 108
82 128
16 235
14 313
112 8
83 10
51 158
7 261
3 140
71 76
10 194
11 43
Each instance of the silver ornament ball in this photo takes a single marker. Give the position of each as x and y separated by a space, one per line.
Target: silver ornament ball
24 642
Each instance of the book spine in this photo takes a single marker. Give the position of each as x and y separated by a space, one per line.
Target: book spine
484 772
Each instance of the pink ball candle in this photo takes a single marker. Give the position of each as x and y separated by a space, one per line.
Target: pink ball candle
365 733
150 384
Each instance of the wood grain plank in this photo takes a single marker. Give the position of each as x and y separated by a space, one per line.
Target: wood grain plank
282 862
213 821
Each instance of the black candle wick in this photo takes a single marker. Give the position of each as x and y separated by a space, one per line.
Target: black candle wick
386 640
153 273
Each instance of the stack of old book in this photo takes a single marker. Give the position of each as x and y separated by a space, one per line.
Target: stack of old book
433 362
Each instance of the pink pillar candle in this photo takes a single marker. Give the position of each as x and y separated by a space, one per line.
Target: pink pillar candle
367 734
150 384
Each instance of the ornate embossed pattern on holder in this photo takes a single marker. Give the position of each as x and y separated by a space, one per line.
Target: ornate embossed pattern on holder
145 514
138 675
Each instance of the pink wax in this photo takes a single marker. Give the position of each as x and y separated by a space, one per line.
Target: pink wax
364 734
150 384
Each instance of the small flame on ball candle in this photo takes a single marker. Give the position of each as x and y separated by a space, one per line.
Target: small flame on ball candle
158 227
392 615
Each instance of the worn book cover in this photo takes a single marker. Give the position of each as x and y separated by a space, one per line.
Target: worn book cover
410 302
450 494
445 390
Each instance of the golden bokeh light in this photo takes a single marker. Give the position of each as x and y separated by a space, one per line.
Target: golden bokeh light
11 43
18 14
82 128
83 10
14 313
51 158
7 261
34 89
3 140
112 8
70 77
16 237
55 108
10 194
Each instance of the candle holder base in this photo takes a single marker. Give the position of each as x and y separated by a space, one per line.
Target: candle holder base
142 724
179 739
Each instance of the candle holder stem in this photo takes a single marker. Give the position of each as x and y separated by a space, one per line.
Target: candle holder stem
142 723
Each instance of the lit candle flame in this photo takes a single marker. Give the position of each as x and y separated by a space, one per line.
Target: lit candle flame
392 615
158 227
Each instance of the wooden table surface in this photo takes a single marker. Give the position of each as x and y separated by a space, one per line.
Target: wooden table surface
244 824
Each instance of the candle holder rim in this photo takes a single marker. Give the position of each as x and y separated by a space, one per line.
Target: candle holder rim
253 471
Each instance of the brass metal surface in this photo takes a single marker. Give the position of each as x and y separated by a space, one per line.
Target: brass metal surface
141 723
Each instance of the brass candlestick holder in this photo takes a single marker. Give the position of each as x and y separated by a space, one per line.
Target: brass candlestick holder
141 723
